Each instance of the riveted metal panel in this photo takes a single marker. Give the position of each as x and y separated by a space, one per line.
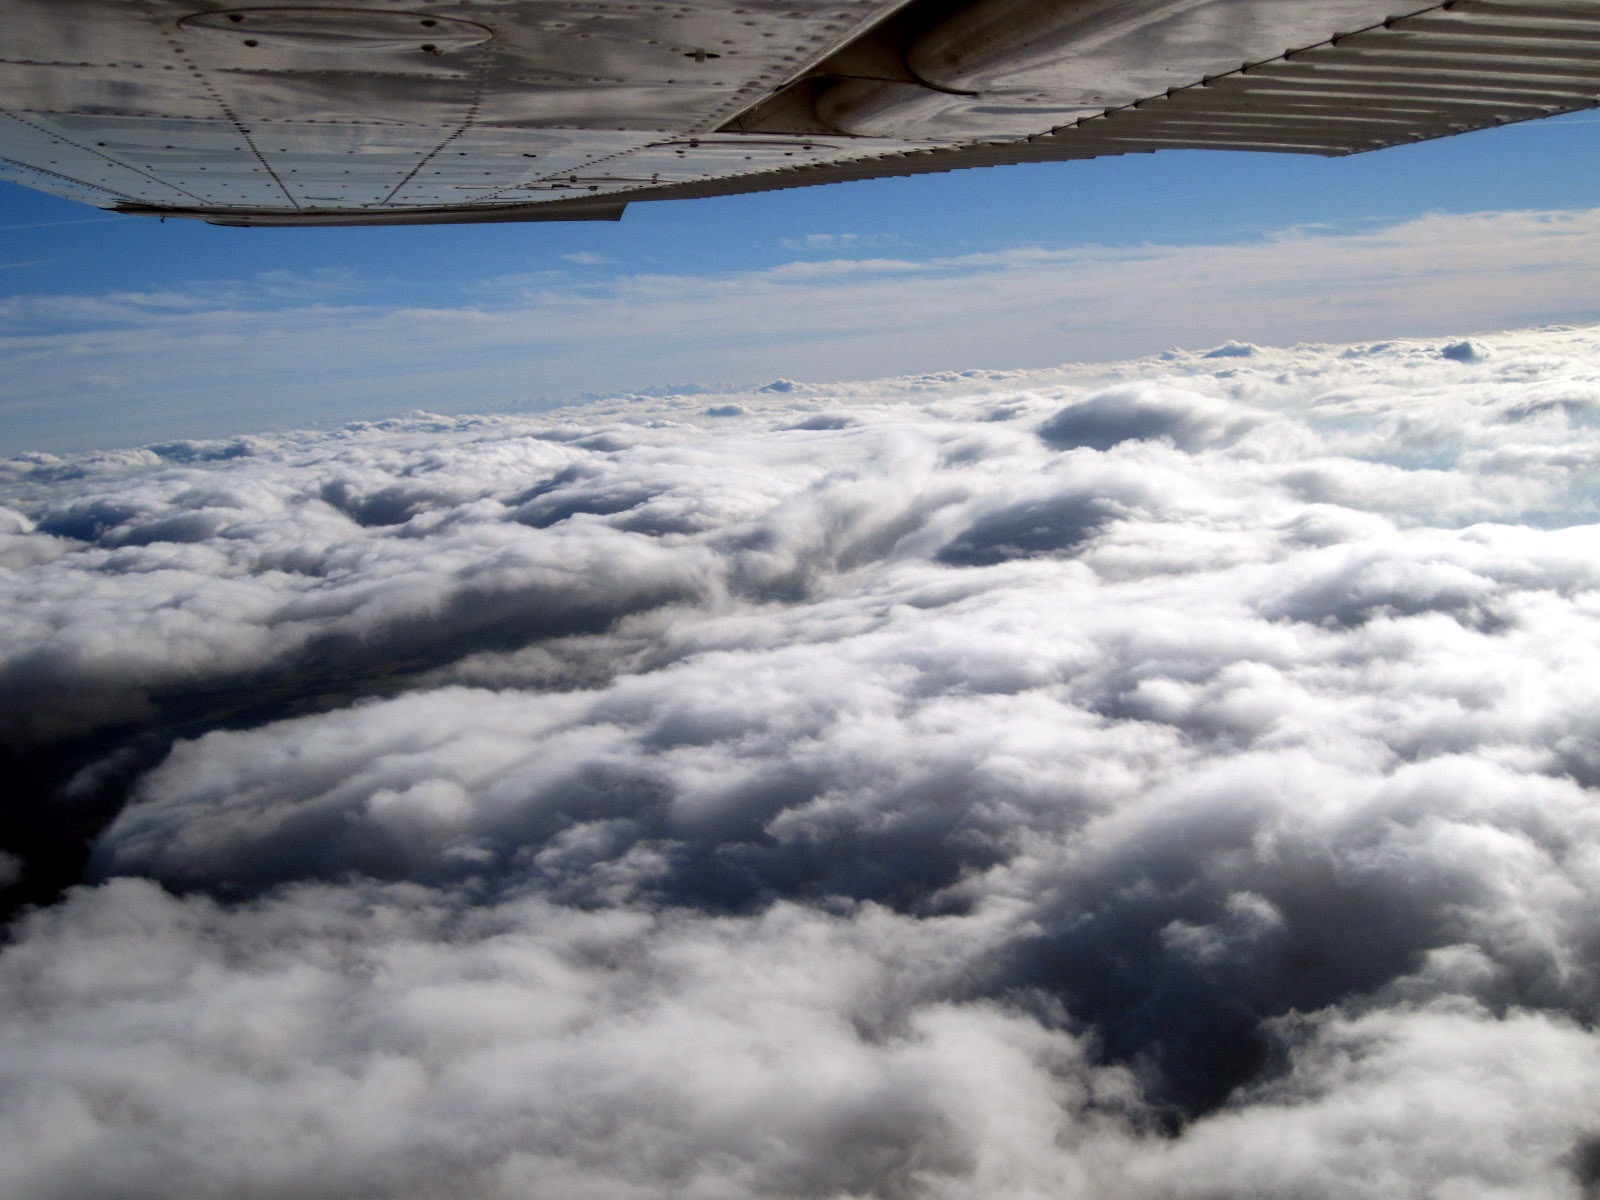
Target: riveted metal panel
404 110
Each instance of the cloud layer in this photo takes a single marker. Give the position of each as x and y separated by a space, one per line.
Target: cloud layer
1175 781
285 349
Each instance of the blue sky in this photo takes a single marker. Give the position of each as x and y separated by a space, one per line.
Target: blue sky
123 330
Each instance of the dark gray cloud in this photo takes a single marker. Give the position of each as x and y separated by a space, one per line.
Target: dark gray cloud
1180 787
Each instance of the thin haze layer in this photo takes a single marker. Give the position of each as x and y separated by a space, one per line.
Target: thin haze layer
1171 780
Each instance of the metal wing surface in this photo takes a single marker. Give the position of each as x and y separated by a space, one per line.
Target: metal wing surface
402 111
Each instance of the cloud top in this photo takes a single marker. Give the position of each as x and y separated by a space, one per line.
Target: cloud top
1173 781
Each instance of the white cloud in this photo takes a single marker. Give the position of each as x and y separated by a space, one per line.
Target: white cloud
833 242
1169 779
229 362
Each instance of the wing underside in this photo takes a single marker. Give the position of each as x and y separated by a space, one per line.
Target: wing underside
377 112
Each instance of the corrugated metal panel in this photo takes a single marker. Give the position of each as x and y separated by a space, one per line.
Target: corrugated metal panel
1461 66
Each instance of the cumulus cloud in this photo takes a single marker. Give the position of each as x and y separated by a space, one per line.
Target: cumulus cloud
1139 413
1176 780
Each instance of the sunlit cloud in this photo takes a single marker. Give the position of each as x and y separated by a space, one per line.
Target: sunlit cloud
1171 778
237 356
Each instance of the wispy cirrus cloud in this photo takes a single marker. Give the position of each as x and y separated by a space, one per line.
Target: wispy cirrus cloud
830 243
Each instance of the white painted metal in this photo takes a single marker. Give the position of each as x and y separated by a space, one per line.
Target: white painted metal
402 110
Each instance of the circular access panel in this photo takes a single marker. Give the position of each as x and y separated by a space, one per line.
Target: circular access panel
337 29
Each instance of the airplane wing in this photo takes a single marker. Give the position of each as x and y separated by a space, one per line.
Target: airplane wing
406 111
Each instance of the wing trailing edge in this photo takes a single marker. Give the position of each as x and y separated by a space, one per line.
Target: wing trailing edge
373 112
